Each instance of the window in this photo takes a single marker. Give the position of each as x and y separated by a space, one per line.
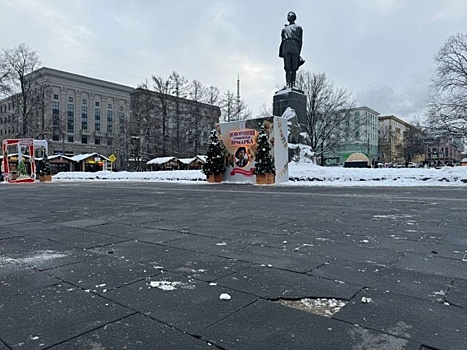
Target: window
55 97
109 121
109 106
97 141
121 121
71 118
70 99
84 118
97 104
84 139
85 102
97 119
121 108
55 121
109 142
70 139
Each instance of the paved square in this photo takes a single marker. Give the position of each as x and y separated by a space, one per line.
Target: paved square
198 266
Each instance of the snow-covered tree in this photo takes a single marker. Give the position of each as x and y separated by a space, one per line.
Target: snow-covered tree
264 162
215 156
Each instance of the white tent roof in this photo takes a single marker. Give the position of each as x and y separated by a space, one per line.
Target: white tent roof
80 157
55 156
202 158
160 160
187 160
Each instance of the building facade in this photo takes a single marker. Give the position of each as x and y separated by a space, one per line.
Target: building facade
392 133
359 134
442 150
165 125
79 114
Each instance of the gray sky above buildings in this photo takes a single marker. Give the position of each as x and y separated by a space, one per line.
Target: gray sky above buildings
379 50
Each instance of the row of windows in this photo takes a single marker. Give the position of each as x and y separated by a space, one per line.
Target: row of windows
84 139
7 119
5 107
8 131
84 118
84 102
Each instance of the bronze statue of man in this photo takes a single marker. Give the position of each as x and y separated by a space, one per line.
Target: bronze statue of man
290 48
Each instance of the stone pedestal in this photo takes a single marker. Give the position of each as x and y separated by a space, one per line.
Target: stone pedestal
292 98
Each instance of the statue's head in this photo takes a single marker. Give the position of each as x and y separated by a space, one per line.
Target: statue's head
291 16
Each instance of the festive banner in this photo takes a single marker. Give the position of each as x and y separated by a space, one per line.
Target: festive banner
239 140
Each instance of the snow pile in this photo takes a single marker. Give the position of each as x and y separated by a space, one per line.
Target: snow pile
302 174
41 256
176 175
338 176
318 306
165 285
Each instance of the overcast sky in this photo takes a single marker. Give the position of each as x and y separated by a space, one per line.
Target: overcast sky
381 51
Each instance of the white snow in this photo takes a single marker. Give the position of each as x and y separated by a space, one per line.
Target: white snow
302 174
225 296
366 300
164 285
41 256
160 160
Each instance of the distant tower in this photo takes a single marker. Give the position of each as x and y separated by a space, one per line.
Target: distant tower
238 97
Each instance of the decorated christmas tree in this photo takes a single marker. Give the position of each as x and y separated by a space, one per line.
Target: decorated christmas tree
44 164
215 156
22 171
264 162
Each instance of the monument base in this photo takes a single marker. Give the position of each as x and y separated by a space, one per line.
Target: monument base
293 98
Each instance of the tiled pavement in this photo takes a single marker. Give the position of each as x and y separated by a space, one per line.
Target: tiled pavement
143 265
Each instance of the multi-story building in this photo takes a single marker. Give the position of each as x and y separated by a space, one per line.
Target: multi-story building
166 125
442 149
392 132
359 134
79 114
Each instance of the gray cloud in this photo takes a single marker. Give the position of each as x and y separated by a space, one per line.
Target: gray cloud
381 51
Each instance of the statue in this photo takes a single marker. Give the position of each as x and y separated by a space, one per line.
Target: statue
290 48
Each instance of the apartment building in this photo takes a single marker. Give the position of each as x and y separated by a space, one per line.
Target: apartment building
442 149
76 114
392 134
359 134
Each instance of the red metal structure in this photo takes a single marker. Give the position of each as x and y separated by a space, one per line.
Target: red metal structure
30 145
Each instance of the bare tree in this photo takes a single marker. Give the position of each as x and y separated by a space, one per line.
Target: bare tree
212 95
143 125
265 111
328 110
233 108
448 102
162 88
124 138
28 93
178 88
197 93
5 74
413 142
